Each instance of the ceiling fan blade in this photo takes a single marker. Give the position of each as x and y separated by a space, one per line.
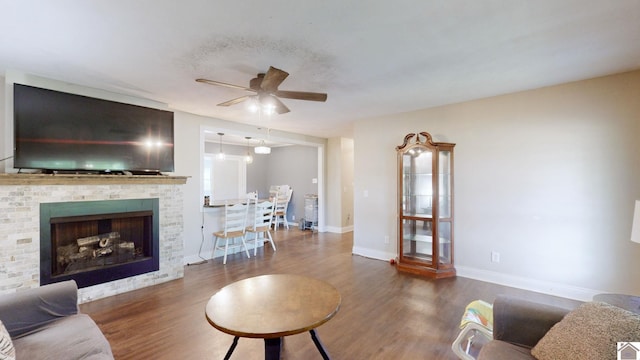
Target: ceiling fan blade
234 101
219 83
281 108
273 78
301 95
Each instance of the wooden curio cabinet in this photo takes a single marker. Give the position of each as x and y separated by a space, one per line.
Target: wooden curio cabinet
425 206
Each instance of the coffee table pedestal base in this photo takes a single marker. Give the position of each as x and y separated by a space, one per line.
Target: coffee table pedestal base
273 347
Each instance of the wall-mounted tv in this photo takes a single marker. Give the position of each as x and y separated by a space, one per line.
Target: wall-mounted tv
58 131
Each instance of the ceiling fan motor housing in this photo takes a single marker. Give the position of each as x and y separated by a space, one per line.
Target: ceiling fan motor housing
256 82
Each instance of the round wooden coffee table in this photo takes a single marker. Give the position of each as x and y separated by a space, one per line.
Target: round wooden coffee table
271 307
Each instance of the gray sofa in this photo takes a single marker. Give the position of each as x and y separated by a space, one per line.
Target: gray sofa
528 330
518 325
44 323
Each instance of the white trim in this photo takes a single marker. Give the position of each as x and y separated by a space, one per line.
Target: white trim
373 254
545 287
321 183
339 230
194 259
333 229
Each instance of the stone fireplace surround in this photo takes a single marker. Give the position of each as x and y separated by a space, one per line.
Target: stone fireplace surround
20 198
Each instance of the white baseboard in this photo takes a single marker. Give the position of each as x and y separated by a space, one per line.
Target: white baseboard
194 259
545 287
339 230
373 254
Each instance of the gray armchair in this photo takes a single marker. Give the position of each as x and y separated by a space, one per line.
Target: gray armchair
44 323
518 325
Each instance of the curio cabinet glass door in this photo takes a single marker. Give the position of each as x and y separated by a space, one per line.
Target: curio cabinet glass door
425 206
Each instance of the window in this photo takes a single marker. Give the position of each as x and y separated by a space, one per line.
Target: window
224 179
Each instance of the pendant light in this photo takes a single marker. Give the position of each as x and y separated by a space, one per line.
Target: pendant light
248 158
220 153
262 148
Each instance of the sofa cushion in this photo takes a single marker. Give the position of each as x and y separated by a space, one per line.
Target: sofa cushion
71 337
589 332
7 351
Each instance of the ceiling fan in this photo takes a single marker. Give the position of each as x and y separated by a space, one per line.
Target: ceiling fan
265 85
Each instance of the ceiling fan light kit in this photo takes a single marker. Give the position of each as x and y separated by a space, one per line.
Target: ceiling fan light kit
263 105
267 94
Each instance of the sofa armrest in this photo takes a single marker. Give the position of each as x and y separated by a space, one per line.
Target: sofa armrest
27 310
523 322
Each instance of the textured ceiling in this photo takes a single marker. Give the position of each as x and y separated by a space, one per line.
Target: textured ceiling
371 57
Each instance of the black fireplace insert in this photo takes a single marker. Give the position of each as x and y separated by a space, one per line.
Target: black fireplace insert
94 242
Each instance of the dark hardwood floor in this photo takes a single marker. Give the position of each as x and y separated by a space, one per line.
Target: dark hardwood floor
384 314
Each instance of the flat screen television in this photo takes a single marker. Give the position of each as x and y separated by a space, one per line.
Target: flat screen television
58 131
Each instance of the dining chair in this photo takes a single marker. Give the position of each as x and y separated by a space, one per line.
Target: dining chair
276 190
281 206
234 227
273 192
260 223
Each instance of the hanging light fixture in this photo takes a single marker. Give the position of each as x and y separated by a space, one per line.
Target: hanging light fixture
262 148
248 158
220 153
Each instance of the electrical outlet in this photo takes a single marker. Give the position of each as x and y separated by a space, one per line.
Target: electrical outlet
386 239
495 257
293 217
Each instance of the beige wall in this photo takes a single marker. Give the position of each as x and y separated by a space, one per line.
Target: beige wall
346 145
340 185
5 149
334 180
547 178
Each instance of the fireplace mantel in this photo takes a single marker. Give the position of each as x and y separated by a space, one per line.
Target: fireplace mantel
88 179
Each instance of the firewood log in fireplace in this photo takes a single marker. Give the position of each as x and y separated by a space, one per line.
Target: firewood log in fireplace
100 239
66 252
86 252
103 251
127 246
